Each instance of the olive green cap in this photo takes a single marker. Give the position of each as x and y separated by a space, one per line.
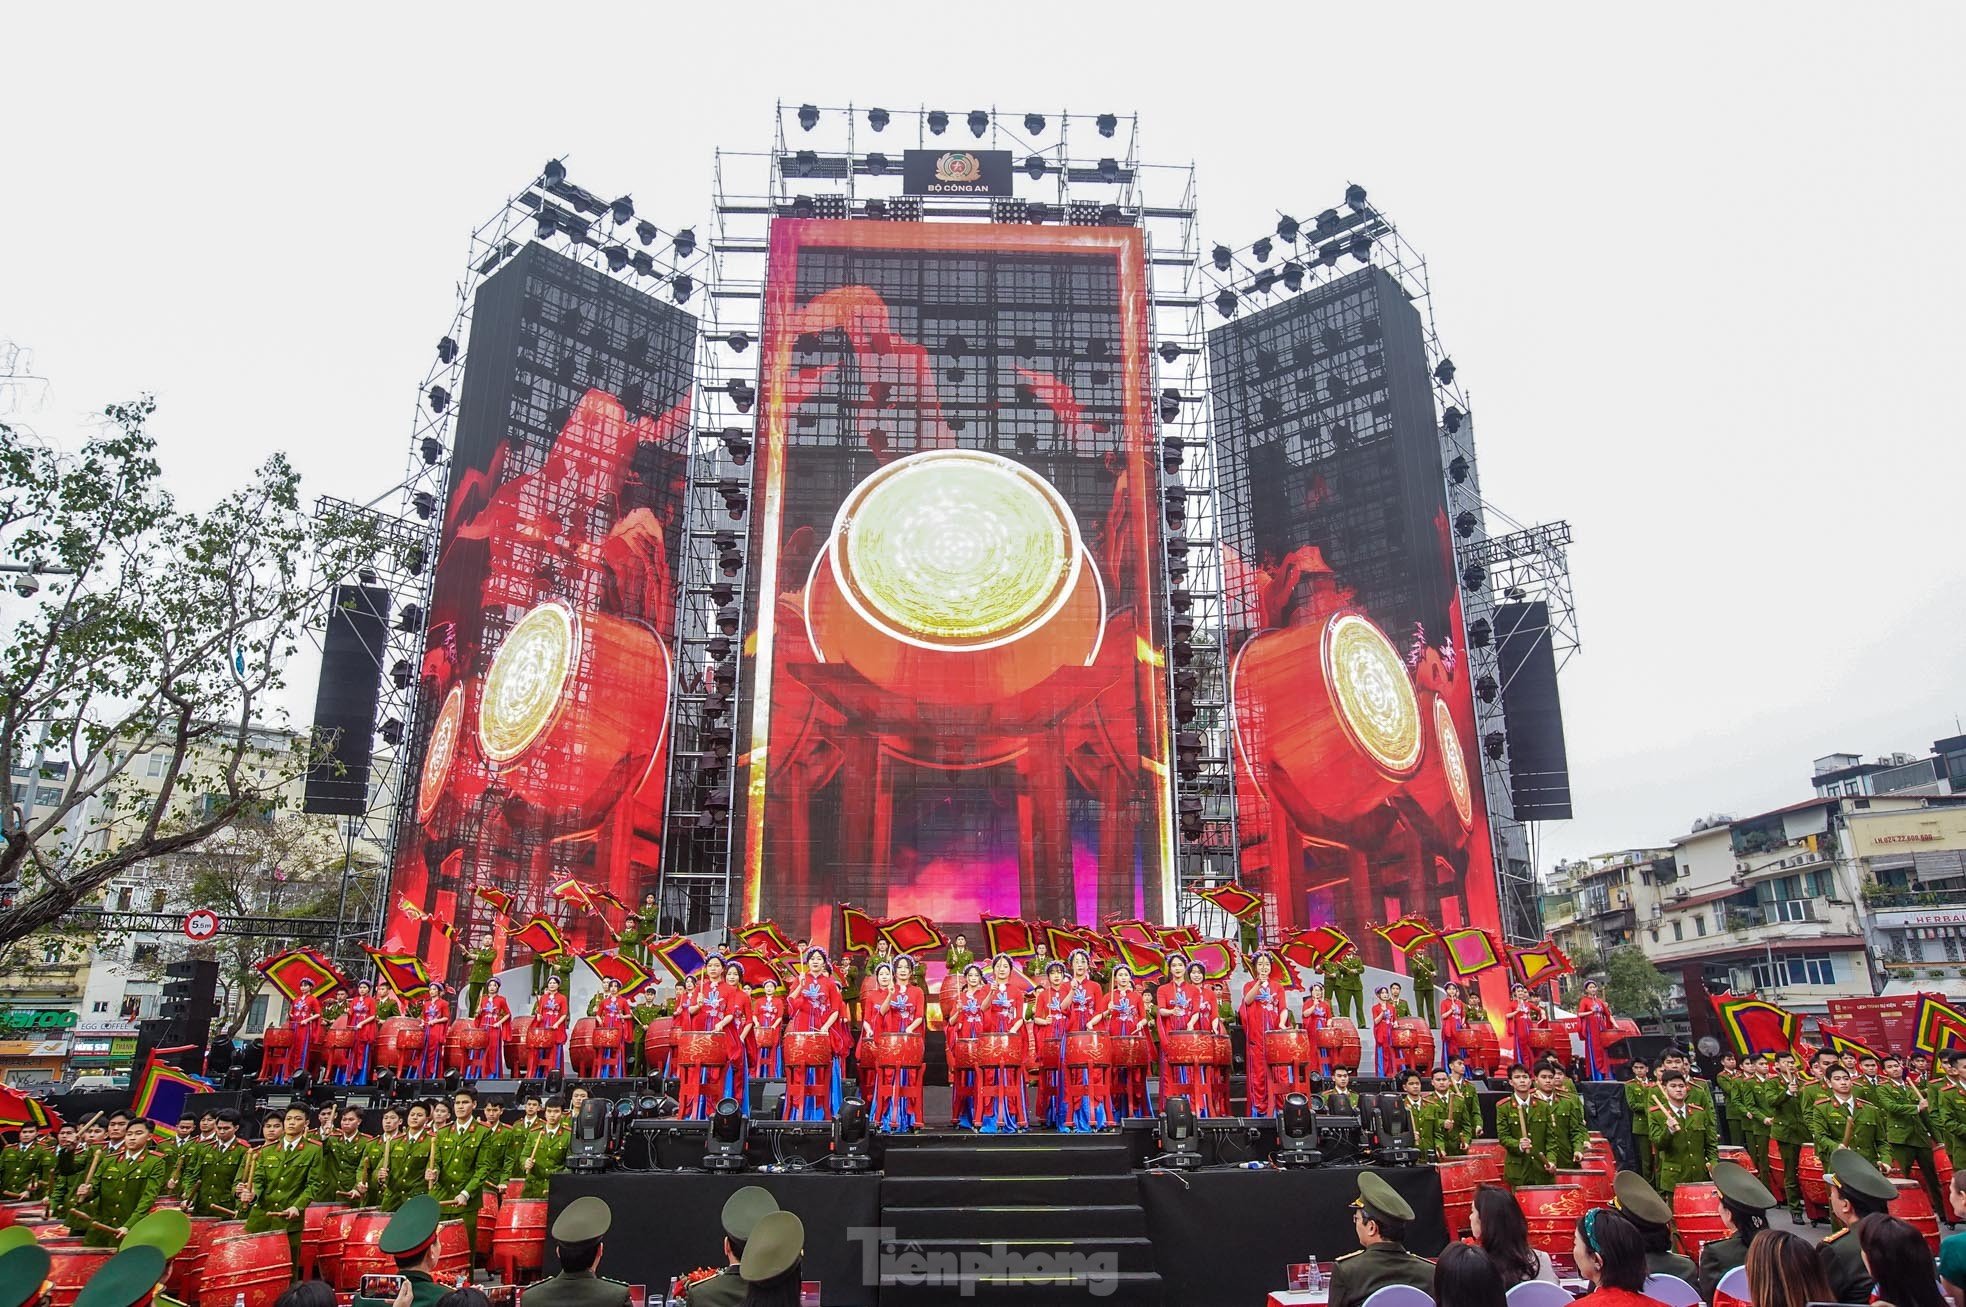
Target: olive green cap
125 1279
1639 1200
16 1236
585 1219
744 1209
1851 1170
1379 1198
777 1242
1742 1187
167 1231
412 1228
23 1270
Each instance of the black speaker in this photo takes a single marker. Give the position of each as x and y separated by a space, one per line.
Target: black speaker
345 702
239 1100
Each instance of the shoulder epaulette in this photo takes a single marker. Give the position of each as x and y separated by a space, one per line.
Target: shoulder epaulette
1356 1252
1835 1235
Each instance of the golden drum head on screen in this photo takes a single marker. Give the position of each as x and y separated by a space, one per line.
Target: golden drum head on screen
441 752
1448 741
1373 693
524 688
956 548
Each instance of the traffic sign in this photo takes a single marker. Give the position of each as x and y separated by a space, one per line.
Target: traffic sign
201 924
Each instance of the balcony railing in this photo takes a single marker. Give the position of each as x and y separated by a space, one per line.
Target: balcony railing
1915 898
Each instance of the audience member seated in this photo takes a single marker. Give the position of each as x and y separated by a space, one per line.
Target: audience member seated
1466 1276
1611 1255
1497 1224
1900 1261
1783 1271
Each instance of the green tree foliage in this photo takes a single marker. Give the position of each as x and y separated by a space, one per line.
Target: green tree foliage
1633 986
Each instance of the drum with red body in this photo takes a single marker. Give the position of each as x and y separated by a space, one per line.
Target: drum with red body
658 1039
1547 1039
69 1268
515 1041
188 1267
1459 1178
453 1252
1292 1046
1809 1175
1221 1051
341 1040
1339 1039
254 1267
359 1254
1552 1211
334 1241
519 1241
1190 1048
949 994
1088 1048
313 1225
607 1038
277 1039
1412 1032
1696 1216
1050 1054
1484 1048
580 1046
802 1047
473 1039
546 1037
893 1050
961 1054
1493 1156
1736 1154
1914 1206
1131 1051
998 1050
1599 1189
702 1048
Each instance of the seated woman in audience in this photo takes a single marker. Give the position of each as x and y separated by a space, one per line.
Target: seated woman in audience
1500 1229
1899 1259
1465 1277
1783 1271
1611 1256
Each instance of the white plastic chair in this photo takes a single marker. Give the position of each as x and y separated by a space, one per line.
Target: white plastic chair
1398 1295
1672 1291
1539 1293
1733 1285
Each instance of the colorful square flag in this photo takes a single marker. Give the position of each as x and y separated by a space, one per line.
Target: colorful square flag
574 893
1010 937
1408 933
542 937
860 930
1471 952
1540 963
1140 958
402 972
1063 941
1754 1026
1835 1041
17 1109
608 897
1937 1025
1317 946
501 902
913 935
1286 973
1137 931
1234 900
766 938
756 968
161 1093
1217 958
1179 936
609 965
286 970
679 954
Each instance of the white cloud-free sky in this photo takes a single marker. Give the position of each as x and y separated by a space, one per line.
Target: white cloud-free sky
1699 266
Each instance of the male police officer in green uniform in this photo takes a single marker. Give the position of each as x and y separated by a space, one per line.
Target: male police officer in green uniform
1842 1120
1784 1100
127 1184
1523 1124
742 1212
346 1157
462 1164
1651 1216
1907 1116
577 1235
543 1151
1741 1188
1379 1217
26 1167
1442 1120
287 1176
1684 1140
411 1238
1856 1190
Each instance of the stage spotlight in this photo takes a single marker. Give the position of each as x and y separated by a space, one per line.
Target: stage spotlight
808 116
741 394
589 1150
1328 254
555 172
1297 1133
616 256
410 619
850 1147
1474 576
877 119
1293 275
1034 123
643 263
235 1077
1485 689
1038 212
1355 195
1361 247
645 232
877 164
1480 633
1170 404
1169 351
1222 256
938 122
979 122
682 288
424 503
1261 249
1181 601
1444 371
432 450
440 399
401 674
804 163
385 1084
622 210
1225 302
366 576
1465 523
1180 1145
1171 451
1287 227
685 242
1034 167
1495 744
724 1150
1265 282
1457 471
446 350
1108 124
546 224
737 445
1451 418
1109 169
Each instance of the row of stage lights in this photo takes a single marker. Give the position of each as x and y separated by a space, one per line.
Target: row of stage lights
978 121
1321 238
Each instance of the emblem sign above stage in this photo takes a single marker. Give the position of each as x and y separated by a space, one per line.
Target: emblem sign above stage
955 172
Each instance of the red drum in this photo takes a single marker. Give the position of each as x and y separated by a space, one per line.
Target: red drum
659 1038
1914 1206
893 1050
1287 1046
255 1267
334 1240
519 1241
1550 1039
405 1034
359 1254
313 1225
473 1039
1088 1048
999 1050
802 1047
1738 1155
1492 1154
1190 1048
1220 1051
950 994
1049 1053
277 1037
702 1048
515 1039
1552 1211
188 1267
1696 1216
1414 1038
962 1054
453 1252
608 1038
546 1036
1339 1038
1599 1189
1132 1051
1459 1178
768 1036
71 1268
580 1045
1809 1175
340 1039
1484 1047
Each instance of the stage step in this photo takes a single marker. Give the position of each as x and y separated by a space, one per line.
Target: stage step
1132 1254
1045 1154
1007 1190
1125 1289
1017 1221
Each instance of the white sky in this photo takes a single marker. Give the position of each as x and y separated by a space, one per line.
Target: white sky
1699 268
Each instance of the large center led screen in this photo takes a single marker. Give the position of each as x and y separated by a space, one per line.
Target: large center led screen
1358 788
956 703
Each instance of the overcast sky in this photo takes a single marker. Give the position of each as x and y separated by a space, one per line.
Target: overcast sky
1700 269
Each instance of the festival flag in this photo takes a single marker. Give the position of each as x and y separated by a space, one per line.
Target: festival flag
17 1110
1755 1026
913 935
574 893
863 932
501 902
161 1093
756 969
1178 936
542 937
1937 1025
286 970
1541 963
1317 947
1471 952
413 913
402 972
679 954
1835 1041
1136 930
766 938
1234 900
1285 971
1142 959
1407 934
1010 936
1063 941
607 896
610 965
1217 958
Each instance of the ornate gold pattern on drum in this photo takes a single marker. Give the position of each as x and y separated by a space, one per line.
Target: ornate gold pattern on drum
1287 1046
893 1050
956 548
439 753
702 1048
1452 763
529 672
1088 1048
1373 693
803 1047
1194 1048
998 1050
1132 1051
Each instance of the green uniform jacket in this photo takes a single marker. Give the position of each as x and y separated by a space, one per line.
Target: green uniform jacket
218 1176
408 1160
1830 1125
1698 1092
548 1153
182 1168
1437 1137
69 1165
1787 1107
1672 1263
1948 1112
26 1172
346 1162
724 1289
286 1177
126 1188
1716 1259
1904 1124
461 1164
1356 1276
1683 1154
1843 1266
1739 1095
1569 1134
1514 1122
497 1150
